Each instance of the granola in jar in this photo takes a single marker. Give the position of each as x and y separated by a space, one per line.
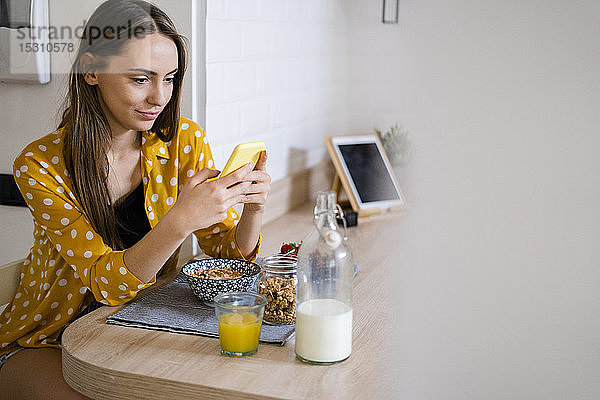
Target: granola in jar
277 282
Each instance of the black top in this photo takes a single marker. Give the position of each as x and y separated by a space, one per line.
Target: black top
132 221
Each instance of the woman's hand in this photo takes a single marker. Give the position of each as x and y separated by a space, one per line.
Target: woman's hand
202 204
248 229
260 186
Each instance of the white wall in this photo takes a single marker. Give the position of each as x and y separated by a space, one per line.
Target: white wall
378 67
28 112
276 73
497 280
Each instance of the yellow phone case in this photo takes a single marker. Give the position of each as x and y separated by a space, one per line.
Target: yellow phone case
242 155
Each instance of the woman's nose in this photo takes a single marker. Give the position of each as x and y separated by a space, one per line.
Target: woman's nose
159 95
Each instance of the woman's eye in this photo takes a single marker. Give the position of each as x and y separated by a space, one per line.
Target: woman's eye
140 80
170 80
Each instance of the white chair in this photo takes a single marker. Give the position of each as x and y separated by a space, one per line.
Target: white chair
9 279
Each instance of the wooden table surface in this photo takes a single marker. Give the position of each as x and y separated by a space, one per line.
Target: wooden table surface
114 362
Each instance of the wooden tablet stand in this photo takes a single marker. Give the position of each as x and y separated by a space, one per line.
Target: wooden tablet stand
342 180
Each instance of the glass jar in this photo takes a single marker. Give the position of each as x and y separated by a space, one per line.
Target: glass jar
277 282
324 290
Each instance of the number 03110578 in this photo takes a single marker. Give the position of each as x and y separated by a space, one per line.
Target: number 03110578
56 47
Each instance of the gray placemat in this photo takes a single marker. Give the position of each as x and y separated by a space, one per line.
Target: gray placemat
174 308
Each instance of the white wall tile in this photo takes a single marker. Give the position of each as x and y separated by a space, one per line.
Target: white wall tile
317 11
223 123
276 159
215 83
295 74
215 9
255 116
239 80
284 110
312 70
281 141
223 41
312 132
317 35
296 11
308 104
287 81
360 121
270 77
284 39
241 9
308 39
256 40
272 10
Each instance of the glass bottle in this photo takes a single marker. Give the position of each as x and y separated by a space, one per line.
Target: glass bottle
324 289
277 282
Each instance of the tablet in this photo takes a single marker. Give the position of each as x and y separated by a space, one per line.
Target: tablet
365 173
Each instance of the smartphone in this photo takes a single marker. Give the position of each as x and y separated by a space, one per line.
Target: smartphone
242 154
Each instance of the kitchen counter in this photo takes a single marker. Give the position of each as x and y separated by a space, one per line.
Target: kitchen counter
113 362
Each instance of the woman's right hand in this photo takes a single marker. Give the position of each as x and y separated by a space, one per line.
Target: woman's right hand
202 204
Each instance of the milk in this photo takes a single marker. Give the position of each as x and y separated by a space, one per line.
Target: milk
323 330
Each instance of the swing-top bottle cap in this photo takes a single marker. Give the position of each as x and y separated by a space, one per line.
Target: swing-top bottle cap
333 239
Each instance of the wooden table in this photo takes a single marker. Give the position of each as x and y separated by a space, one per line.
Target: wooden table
114 362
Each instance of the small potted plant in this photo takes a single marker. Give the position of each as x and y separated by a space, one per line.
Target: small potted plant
397 146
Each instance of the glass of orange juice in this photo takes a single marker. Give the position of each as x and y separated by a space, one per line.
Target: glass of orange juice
239 315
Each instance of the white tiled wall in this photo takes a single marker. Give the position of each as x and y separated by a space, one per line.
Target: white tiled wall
276 72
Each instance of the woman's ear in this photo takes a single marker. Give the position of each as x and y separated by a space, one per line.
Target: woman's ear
88 63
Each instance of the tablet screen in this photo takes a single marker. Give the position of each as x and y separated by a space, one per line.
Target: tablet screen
368 172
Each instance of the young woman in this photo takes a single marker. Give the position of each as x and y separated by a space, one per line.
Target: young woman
114 192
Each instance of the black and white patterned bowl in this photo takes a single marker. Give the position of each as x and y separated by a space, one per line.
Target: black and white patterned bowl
207 289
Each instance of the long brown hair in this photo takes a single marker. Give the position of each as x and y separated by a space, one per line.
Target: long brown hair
87 133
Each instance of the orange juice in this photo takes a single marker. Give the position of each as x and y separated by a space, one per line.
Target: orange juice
239 332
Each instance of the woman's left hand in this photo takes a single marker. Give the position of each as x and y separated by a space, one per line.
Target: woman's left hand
260 188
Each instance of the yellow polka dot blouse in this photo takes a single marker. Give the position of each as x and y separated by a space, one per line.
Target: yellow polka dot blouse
69 260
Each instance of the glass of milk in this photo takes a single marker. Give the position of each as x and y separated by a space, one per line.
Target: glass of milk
324 289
